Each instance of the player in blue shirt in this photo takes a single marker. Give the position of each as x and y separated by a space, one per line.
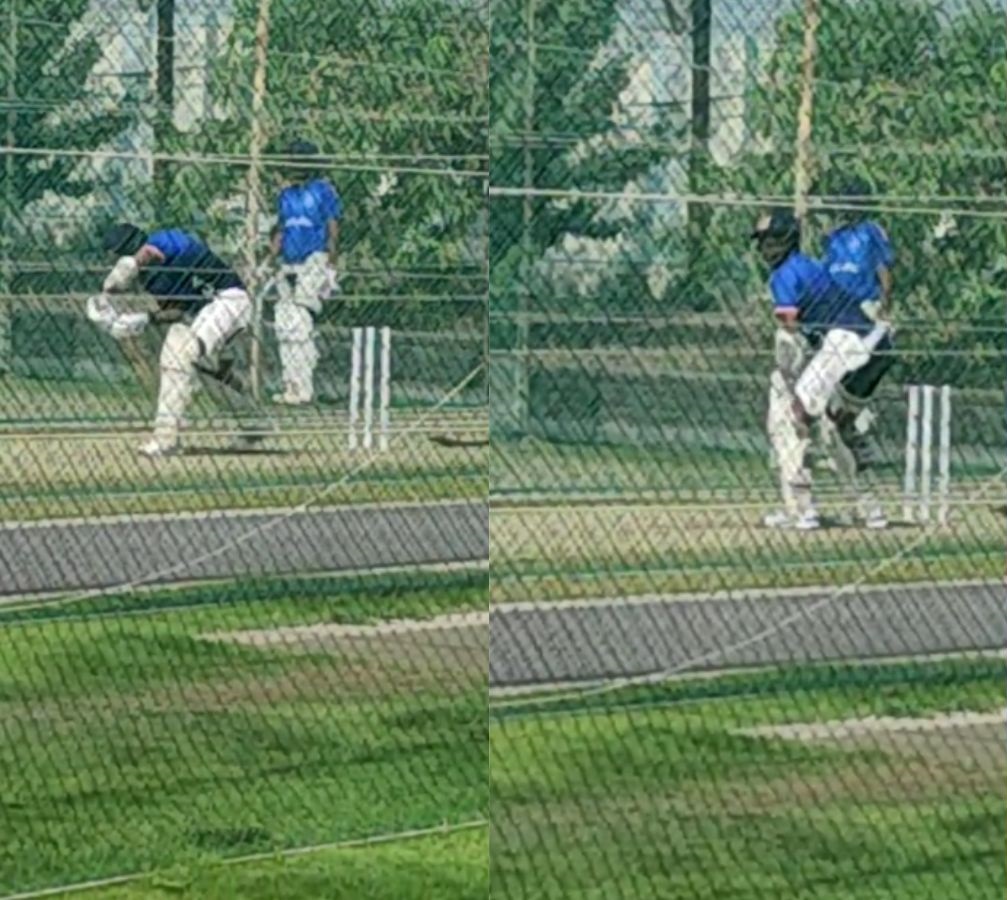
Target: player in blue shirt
308 212
199 297
808 301
860 258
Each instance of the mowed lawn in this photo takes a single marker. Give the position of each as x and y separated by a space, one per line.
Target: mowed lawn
451 867
130 743
656 796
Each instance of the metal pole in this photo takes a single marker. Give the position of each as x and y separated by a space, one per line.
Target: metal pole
699 213
802 162
165 97
527 218
10 139
255 189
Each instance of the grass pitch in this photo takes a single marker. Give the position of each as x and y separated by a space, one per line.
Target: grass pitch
453 867
130 743
658 794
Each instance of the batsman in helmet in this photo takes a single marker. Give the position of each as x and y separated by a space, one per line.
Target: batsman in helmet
201 302
823 337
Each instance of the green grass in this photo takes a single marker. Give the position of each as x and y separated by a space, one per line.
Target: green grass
128 744
452 867
654 795
522 470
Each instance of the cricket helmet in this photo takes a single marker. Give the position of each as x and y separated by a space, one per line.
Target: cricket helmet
777 234
123 239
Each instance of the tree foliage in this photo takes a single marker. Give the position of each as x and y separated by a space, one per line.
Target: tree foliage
557 72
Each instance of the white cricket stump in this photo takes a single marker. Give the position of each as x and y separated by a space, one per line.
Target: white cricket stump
918 499
370 386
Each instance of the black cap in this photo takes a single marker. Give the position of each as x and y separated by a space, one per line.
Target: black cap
123 238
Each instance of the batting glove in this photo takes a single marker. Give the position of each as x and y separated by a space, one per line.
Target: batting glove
100 312
330 286
129 325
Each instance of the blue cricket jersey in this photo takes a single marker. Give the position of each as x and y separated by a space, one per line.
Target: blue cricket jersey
304 212
190 274
804 284
853 254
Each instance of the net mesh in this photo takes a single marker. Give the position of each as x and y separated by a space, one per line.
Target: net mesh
686 702
252 646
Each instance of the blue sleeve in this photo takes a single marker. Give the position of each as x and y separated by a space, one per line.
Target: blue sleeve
331 204
883 246
785 288
168 242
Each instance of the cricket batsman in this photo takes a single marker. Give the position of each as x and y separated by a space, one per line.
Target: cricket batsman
809 306
199 297
306 241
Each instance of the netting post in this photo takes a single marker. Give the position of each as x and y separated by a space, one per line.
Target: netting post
6 280
527 215
254 191
802 161
165 86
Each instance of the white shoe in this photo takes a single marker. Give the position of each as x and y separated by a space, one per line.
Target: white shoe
876 519
777 519
289 399
808 521
158 448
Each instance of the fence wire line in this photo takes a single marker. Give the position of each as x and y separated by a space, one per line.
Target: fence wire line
755 202
806 613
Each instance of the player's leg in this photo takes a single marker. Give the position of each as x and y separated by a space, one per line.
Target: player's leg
179 354
184 345
853 447
841 352
286 285
848 407
789 442
224 380
307 297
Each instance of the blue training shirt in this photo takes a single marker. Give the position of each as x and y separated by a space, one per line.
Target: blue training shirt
304 212
853 254
190 274
804 284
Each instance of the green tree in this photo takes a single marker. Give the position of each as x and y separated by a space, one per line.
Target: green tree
555 78
394 95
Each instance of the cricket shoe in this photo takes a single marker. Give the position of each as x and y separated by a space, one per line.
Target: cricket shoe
289 399
250 438
158 448
875 519
806 521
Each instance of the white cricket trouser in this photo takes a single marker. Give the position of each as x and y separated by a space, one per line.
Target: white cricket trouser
295 327
217 322
841 352
789 446
222 318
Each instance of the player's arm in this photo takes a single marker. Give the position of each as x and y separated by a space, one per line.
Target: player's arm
787 317
333 241
886 261
885 280
333 206
785 289
126 268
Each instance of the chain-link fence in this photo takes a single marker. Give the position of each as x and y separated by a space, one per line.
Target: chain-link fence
736 646
195 660
704 689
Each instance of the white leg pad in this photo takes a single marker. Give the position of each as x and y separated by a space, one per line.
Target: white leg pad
179 355
789 447
295 335
841 352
